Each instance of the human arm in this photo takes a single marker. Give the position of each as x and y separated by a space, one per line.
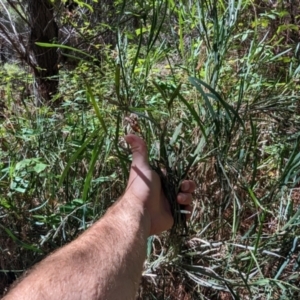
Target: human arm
106 261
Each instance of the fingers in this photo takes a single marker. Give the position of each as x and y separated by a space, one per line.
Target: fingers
185 196
139 151
188 186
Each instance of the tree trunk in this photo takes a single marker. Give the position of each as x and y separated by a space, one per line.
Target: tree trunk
45 30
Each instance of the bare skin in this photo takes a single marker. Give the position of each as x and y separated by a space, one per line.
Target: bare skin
106 261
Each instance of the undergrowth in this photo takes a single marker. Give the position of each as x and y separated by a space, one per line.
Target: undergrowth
214 91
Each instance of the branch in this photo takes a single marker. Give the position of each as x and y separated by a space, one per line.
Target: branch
12 4
16 45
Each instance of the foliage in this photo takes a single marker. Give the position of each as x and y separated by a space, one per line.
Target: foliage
214 86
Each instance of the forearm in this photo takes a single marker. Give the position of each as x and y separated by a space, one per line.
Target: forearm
103 263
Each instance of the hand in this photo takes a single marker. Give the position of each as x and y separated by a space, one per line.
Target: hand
144 188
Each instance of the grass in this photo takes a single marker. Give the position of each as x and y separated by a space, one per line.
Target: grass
215 91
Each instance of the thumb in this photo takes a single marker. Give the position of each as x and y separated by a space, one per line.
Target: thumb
139 151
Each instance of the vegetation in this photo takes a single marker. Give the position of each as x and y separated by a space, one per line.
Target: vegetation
214 88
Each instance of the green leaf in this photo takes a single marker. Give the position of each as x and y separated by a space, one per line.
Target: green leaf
92 99
176 134
194 114
173 96
19 242
96 151
228 108
117 80
83 4
49 45
4 203
75 156
39 167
